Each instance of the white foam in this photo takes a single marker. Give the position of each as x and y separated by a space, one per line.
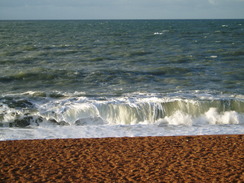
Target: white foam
9 113
179 118
100 131
161 33
78 111
228 117
137 114
158 33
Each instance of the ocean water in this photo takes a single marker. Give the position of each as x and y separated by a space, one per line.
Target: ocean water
115 78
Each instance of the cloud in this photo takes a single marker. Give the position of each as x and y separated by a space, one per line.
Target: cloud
214 2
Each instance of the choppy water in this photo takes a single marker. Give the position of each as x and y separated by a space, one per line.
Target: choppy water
62 79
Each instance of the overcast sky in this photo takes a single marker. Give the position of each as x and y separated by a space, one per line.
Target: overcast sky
121 9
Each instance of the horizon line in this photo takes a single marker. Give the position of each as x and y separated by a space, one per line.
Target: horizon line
97 19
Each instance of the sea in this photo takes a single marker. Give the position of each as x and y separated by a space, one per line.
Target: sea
121 78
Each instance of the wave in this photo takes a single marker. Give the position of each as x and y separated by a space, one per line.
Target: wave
40 108
40 74
99 76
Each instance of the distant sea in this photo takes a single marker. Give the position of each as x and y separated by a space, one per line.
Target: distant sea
115 78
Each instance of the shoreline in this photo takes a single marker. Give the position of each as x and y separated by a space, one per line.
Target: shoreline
215 158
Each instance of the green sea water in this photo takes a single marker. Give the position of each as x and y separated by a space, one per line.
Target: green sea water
117 72
117 57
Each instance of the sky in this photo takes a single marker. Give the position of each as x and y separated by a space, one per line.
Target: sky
121 9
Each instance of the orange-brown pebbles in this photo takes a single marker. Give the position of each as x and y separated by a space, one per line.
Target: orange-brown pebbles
216 158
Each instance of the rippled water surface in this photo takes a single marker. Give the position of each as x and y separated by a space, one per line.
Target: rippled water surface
121 78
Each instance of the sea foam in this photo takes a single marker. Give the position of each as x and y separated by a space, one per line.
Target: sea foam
67 116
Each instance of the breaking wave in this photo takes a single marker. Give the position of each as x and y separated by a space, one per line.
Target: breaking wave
60 109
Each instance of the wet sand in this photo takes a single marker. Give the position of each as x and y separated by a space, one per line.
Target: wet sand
217 158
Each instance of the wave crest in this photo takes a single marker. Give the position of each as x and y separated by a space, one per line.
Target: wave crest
37 109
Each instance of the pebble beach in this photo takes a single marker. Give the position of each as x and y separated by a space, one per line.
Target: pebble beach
207 158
